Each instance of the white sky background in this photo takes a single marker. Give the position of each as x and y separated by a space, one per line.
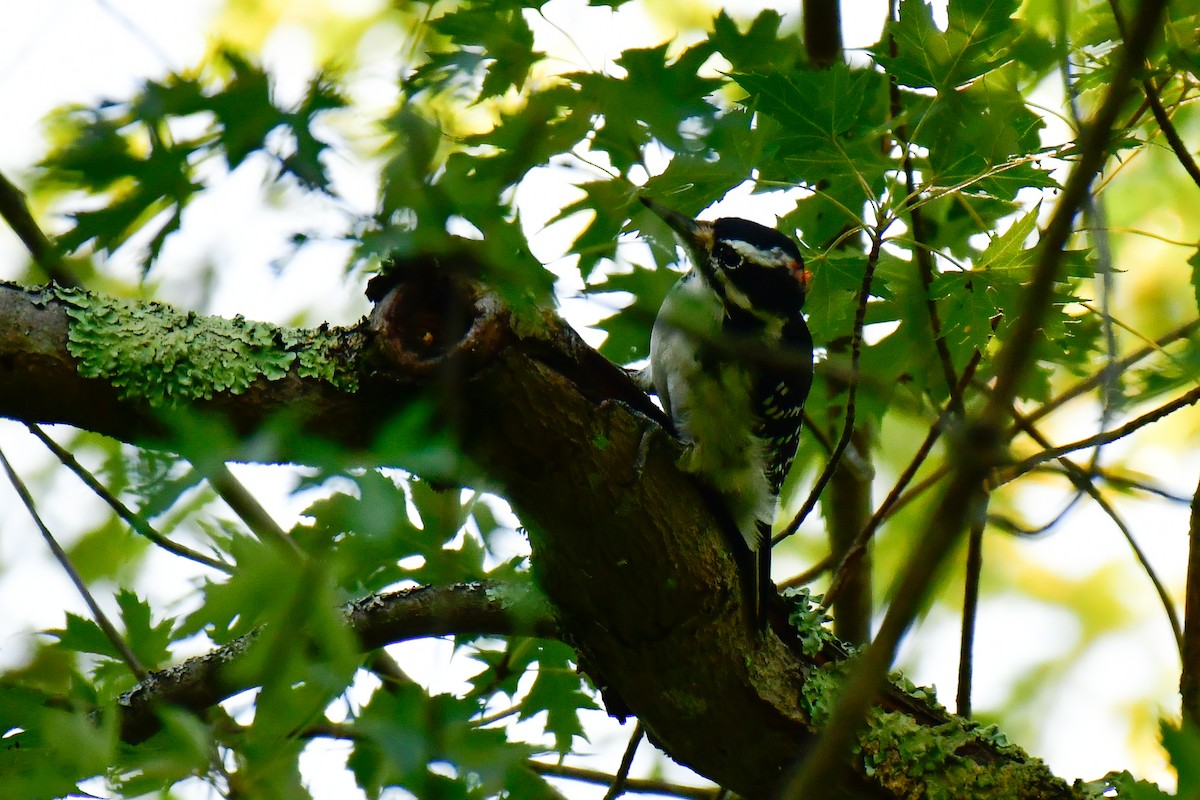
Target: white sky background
61 51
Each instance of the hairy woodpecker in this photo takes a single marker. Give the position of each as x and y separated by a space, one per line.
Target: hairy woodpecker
731 360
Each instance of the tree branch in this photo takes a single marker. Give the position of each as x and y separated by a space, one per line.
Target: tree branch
480 608
46 255
1189 681
632 785
822 31
558 429
1104 437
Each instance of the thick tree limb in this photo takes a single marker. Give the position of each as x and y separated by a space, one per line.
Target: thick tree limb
643 582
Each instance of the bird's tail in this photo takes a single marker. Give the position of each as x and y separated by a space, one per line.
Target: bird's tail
754 564
763 588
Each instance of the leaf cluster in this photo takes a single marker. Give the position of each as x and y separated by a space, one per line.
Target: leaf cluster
147 158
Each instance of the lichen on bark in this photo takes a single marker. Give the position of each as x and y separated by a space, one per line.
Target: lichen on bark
164 356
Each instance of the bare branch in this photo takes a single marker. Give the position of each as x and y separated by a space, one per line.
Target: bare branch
1182 154
46 255
1189 680
1015 471
860 315
633 785
970 612
620 782
922 254
1082 479
822 31
896 498
134 520
110 631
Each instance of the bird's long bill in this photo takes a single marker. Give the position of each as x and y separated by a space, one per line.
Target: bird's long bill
692 232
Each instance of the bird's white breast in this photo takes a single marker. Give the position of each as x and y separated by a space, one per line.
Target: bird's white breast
709 396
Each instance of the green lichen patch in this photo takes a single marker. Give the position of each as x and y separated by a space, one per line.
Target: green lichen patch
956 760
159 354
325 353
820 690
913 760
809 619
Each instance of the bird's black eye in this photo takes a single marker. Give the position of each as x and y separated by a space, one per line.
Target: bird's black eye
726 256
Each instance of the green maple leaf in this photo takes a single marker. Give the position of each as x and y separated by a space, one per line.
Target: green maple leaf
725 157
757 48
977 39
558 690
983 138
606 202
651 101
148 641
502 39
829 121
1194 263
244 109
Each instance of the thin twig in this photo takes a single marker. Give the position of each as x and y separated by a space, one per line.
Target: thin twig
1104 437
809 575
1078 390
1082 479
622 777
497 716
131 517
893 501
970 613
899 498
15 211
1125 482
64 560
922 254
1189 680
1091 382
389 671
247 507
633 785
1161 116
1015 357
1096 217
1159 587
